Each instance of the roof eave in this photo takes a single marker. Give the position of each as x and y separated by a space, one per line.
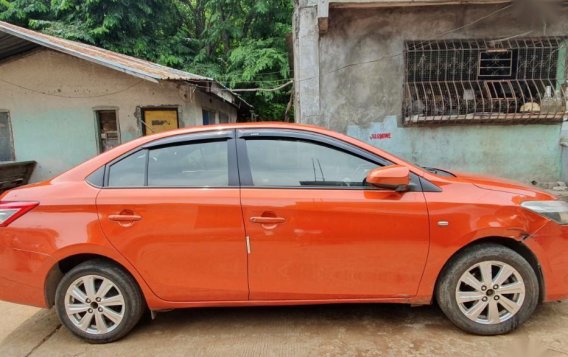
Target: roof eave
171 76
108 64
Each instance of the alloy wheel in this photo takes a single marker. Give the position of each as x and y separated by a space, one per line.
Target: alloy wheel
95 304
490 292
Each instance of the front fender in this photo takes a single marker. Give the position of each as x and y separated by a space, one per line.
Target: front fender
456 223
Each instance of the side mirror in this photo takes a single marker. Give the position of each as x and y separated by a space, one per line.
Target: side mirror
395 177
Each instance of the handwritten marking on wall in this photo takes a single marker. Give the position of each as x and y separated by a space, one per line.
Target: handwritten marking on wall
381 136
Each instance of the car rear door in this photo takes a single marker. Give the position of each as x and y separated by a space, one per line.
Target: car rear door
172 208
316 231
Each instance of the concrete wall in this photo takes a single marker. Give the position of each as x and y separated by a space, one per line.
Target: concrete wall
366 98
523 152
52 98
564 145
376 3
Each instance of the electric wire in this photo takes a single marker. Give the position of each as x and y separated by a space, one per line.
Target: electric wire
69 96
393 55
290 81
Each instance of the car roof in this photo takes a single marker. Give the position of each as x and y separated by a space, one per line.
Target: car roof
248 125
85 169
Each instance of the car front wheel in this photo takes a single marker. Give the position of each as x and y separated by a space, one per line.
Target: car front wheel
99 302
488 290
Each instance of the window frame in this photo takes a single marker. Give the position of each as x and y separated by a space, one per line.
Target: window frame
245 174
239 167
481 60
444 82
98 130
143 111
223 114
227 136
211 121
10 136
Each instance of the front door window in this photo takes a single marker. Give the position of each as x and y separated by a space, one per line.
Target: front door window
293 163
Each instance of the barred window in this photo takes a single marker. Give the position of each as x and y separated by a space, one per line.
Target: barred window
489 81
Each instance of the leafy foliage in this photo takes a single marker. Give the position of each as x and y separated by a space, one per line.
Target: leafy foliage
241 43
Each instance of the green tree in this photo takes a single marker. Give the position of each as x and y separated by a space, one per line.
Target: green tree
19 12
241 43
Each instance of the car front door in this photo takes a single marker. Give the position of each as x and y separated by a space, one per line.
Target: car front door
316 231
172 208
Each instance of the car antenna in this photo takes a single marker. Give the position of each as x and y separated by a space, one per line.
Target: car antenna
321 170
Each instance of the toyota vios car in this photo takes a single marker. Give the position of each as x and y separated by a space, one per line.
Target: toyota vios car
276 214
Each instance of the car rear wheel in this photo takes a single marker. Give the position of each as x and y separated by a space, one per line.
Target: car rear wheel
488 290
99 302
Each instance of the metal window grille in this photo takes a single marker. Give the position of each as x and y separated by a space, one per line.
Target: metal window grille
489 81
496 64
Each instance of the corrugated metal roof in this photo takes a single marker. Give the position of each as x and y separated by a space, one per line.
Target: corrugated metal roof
10 45
131 65
15 39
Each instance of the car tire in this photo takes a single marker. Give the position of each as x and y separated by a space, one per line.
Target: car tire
483 306
99 302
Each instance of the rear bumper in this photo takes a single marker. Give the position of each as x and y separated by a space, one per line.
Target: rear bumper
550 245
22 276
19 293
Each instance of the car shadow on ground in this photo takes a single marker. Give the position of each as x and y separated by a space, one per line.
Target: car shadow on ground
326 330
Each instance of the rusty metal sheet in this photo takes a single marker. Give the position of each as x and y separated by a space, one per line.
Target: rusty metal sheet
117 61
15 39
14 174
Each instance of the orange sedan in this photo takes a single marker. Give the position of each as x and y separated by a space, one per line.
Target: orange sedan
276 214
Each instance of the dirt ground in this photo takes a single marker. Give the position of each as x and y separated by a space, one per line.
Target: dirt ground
335 330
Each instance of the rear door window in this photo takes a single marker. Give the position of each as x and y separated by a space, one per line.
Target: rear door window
128 172
203 164
196 164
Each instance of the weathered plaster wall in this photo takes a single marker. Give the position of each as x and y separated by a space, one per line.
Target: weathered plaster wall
54 127
366 98
524 152
306 62
564 145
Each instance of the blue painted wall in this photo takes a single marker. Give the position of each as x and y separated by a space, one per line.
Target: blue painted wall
57 139
520 152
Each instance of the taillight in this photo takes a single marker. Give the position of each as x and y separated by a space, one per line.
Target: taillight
10 211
